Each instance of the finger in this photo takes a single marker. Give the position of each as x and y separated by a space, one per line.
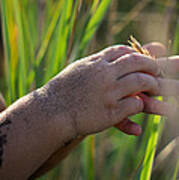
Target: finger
129 127
156 49
167 87
126 107
114 52
170 65
133 63
131 84
154 106
135 83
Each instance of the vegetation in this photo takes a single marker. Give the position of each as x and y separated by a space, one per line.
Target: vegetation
41 37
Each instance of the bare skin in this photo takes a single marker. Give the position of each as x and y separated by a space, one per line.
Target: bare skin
90 95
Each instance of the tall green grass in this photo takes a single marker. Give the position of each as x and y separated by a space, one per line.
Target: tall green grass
40 39
35 54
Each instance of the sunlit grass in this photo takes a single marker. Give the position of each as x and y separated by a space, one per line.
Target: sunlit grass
154 129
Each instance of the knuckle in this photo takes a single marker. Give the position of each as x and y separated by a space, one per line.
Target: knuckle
129 106
109 52
134 57
115 48
144 80
136 105
140 80
139 60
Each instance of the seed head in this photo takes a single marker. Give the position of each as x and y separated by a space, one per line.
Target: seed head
137 46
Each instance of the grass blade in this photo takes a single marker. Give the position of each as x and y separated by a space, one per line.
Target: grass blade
63 32
9 37
7 47
154 129
88 158
94 22
49 33
21 49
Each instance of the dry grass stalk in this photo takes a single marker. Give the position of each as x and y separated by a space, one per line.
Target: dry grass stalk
137 46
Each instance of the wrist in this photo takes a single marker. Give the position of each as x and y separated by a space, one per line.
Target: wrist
57 107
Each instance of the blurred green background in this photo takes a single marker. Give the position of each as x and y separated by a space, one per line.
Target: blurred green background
40 37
